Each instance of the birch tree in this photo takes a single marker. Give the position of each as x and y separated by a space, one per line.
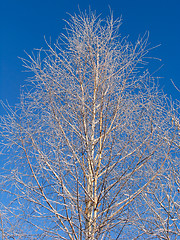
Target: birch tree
91 145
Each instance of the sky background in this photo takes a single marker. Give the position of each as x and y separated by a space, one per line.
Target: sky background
24 23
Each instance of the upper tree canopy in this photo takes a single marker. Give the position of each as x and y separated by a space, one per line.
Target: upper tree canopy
92 150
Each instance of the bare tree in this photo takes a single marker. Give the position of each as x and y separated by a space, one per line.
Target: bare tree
93 143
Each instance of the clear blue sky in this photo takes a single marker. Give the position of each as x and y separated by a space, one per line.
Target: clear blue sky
24 23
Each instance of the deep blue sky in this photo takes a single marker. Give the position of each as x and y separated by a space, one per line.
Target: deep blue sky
24 23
